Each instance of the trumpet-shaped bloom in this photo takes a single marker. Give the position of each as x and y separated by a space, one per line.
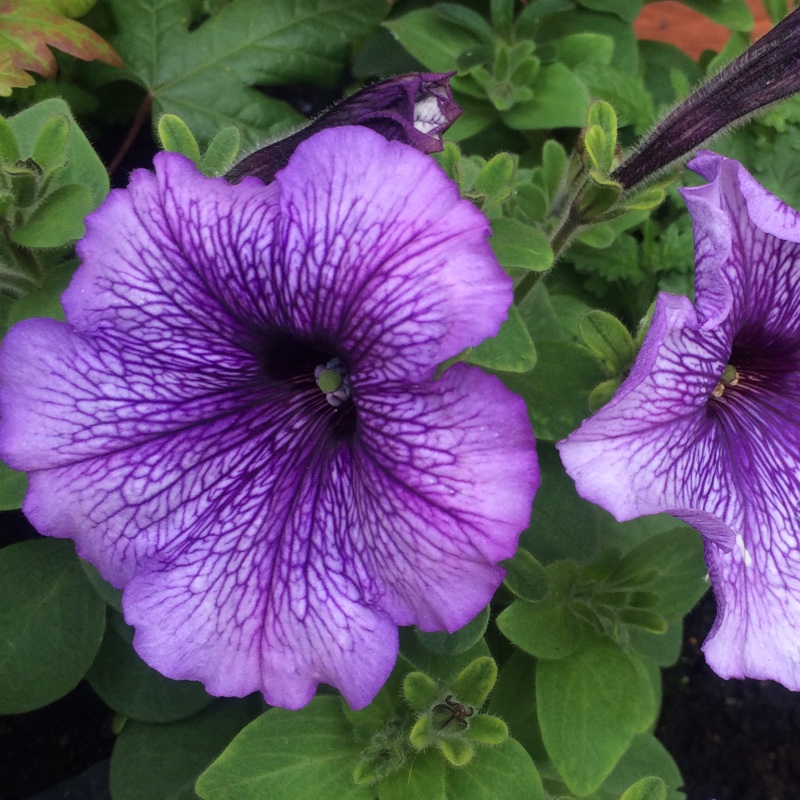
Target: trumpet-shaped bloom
707 425
239 422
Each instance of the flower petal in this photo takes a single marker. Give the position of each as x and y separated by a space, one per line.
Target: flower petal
652 448
383 257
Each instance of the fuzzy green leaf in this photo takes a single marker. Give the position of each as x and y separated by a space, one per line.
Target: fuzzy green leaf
285 755
58 219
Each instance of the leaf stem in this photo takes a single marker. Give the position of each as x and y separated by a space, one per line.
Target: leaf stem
141 115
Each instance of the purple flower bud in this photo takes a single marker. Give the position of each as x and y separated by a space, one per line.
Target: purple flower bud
765 73
415 109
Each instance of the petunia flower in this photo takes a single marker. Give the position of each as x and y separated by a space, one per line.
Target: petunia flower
239 423
707 425
416 109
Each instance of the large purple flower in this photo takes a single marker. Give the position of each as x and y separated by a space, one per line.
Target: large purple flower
707 425
240 424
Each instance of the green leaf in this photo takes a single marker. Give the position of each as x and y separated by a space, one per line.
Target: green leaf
286 755
626 10
51 623
164 761
678 556
175 137
48 150
588 706
13 486
506 771
547 629
663 648
110 594
526 577
422 779
776 9
221 152
45 302
84 167
28 28
512 350
206 76
58 219
520 246
9 149
513 701
495 175
650 788
557 391
431 39
457 642
442 668
134 689
466 18
560 100
733 14
563 525
645 756
608 339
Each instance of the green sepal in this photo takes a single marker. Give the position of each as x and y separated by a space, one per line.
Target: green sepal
650 788
602 394
526 577
175 137
9 149
598 197
603 117
49 149
458 751
422 734
486 729
646 200
420 691
221 152
608 339
596 147
473 684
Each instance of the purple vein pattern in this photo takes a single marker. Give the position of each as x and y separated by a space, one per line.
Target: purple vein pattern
239 422
707 425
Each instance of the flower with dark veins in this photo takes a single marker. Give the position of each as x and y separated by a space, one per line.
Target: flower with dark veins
416 109
239 422
707 425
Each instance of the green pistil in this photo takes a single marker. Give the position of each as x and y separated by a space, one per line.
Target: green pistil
329 380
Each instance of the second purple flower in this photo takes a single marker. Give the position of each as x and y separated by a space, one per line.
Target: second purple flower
707 425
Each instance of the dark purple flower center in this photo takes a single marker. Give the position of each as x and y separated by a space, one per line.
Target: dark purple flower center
312 372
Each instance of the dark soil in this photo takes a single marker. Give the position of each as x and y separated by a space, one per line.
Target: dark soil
733 740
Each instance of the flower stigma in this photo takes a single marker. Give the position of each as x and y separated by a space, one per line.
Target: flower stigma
332 380
730 377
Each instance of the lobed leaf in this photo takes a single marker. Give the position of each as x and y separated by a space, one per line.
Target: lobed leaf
28 28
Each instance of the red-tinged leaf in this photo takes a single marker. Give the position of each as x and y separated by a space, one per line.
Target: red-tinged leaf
28 28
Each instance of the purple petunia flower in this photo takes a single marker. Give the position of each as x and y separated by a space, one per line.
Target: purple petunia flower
707 425
416 109
239 422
